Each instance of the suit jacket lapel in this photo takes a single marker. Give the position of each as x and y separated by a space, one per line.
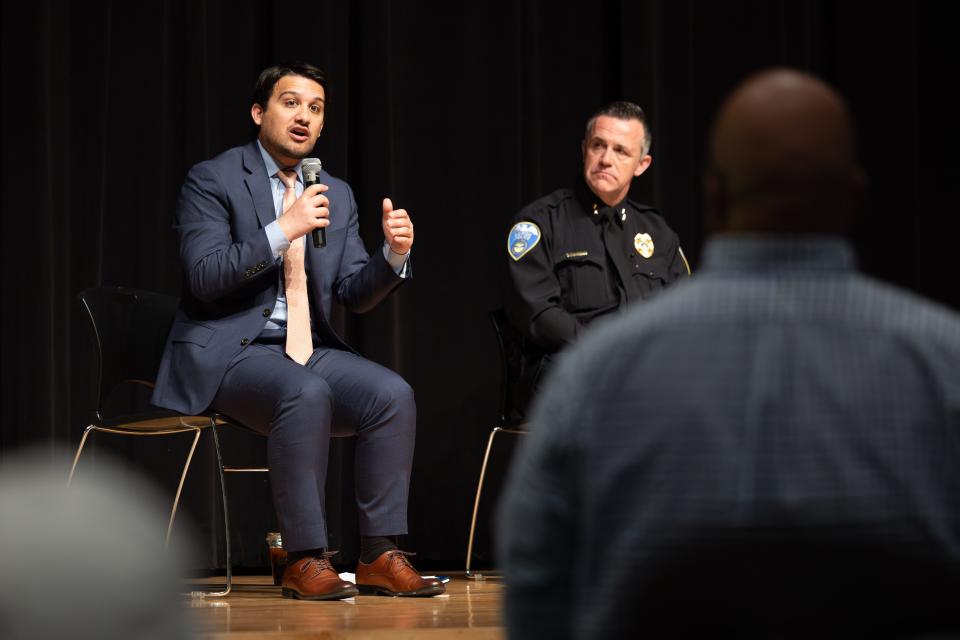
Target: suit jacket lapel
259 184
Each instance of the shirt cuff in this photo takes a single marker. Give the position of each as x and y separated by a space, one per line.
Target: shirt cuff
275 236
397 261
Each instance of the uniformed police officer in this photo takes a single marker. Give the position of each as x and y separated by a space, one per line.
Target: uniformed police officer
582 253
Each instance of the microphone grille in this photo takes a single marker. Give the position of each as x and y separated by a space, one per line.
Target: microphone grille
311 169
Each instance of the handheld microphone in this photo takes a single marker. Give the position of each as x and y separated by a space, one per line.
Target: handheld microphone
311 175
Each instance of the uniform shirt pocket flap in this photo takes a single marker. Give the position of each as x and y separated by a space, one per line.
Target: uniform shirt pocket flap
656 269
569 258
584 283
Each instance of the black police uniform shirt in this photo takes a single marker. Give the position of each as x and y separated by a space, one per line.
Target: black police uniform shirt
574 259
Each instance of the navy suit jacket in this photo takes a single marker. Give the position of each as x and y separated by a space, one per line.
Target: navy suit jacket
232 276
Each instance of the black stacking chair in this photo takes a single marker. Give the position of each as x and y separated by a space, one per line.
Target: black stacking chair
510 416
130 328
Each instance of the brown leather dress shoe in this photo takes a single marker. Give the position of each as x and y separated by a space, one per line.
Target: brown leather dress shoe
314 578
392 574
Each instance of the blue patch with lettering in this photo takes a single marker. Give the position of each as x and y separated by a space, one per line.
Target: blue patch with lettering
523 237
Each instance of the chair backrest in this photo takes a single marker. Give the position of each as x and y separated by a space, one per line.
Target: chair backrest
130 327
510 347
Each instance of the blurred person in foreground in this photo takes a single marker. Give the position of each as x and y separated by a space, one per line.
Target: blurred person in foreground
803 477
86 561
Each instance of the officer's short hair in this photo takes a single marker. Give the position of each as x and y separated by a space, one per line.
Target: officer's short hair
623 110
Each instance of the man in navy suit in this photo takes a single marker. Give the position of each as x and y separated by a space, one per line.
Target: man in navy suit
252 338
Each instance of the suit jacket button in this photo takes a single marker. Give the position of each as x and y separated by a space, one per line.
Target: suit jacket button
266 313
244 342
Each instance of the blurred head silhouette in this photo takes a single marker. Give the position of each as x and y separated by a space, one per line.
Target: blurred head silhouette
781 158
86 561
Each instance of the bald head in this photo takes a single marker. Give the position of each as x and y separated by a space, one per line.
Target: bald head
781 158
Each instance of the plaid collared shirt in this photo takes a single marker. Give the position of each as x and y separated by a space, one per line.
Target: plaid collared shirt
777 388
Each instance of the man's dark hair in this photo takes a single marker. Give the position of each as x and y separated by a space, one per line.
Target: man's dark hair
622 110
269 77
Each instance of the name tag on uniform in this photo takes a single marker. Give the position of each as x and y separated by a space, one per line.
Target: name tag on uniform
576 254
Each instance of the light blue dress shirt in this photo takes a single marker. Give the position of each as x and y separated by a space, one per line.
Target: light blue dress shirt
279 243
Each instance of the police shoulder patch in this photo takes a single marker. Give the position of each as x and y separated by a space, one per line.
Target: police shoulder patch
523 237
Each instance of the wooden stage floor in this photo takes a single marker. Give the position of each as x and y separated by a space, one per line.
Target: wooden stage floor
468 610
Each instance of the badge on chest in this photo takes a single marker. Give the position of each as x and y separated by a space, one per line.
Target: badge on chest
643 243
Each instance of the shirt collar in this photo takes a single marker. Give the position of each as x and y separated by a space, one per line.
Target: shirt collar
595 207
774 252
271 164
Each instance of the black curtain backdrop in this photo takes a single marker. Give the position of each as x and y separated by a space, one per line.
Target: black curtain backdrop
462 113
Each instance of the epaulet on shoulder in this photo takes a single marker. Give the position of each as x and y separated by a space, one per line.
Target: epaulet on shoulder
549 201
639 206
560 195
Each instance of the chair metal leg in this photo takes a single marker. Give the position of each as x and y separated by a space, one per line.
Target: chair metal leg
183 473
76 458
176 501
476 502
183 477
226 514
